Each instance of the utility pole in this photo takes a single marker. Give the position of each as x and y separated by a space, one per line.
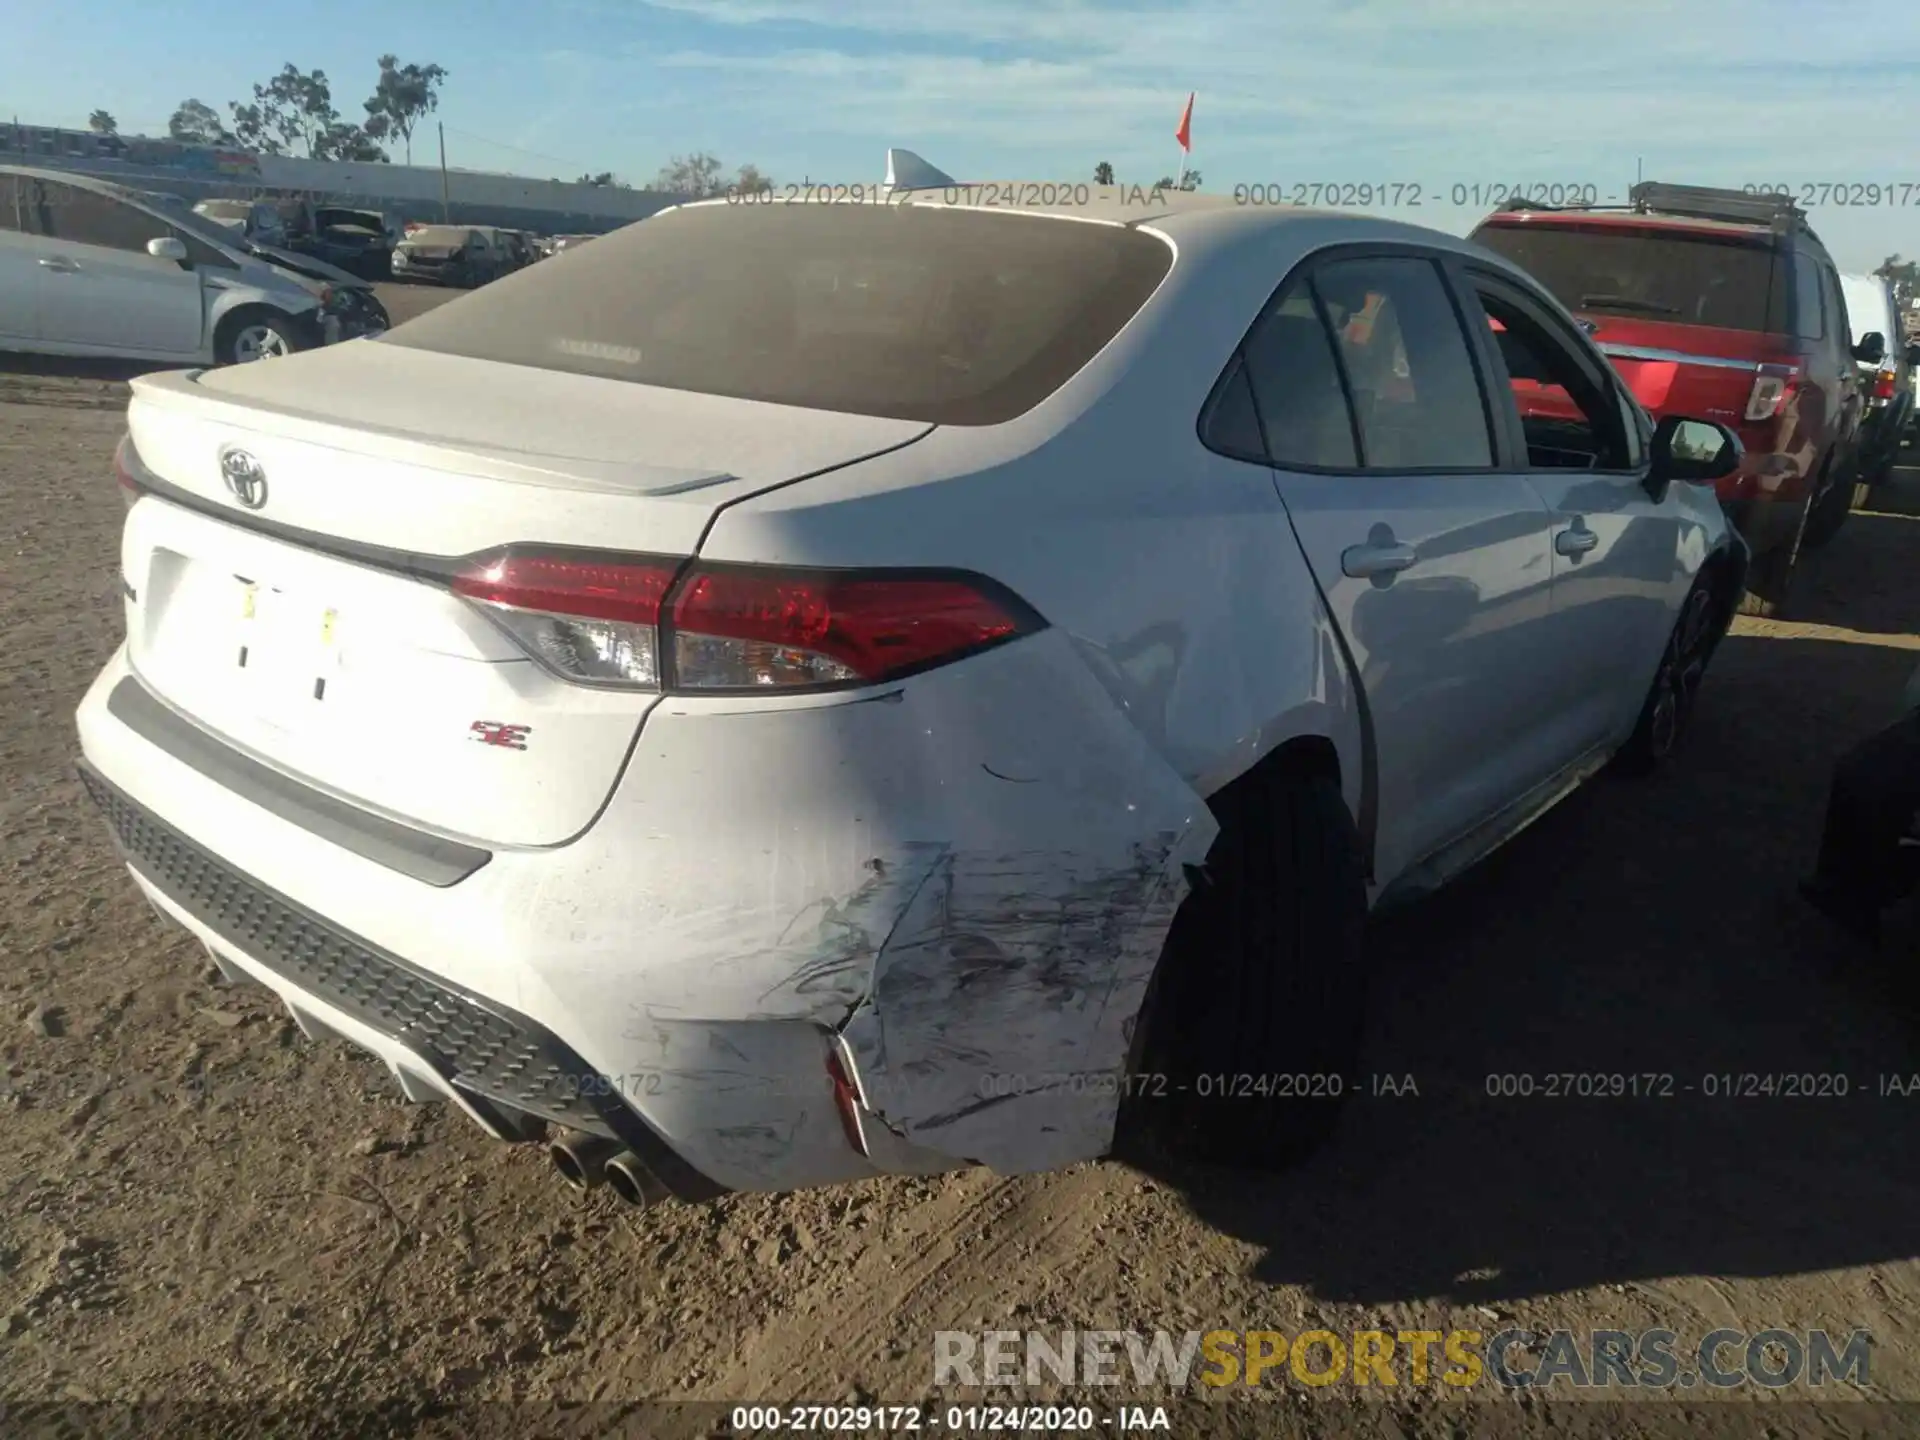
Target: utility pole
446 215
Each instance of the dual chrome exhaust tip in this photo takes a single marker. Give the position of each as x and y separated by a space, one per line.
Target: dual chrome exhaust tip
588 1161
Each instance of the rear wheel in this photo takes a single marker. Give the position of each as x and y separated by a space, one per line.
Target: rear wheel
1253 1028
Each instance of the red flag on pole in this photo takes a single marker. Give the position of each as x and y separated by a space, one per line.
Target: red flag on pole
1185 133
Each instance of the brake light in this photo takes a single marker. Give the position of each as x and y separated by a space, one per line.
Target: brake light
1883 384
591 618
1773 385
738 629
612 620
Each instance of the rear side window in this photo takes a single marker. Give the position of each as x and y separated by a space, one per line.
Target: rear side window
1689 279
948 316
1296 386
1808 299
1416 394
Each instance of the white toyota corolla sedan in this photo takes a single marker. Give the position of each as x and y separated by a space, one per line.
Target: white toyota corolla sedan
803 691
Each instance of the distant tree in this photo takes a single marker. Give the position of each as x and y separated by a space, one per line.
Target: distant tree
605 179
1103 174
299 107
101 123
344 141
253 130
749 180
695 176
1167 182
195 123
401 98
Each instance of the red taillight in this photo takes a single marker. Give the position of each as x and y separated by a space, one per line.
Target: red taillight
591 618
608 620
1883 384
751 629
1773 386
596 589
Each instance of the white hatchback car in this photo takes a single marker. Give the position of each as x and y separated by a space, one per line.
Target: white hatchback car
93 269
804 691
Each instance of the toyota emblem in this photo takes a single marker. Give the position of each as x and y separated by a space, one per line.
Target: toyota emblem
245 478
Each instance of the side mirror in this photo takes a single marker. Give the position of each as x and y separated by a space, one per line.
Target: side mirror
1872 348
1697 452
168 248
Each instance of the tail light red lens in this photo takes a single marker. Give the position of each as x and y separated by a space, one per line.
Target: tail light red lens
740 629
1883 384
1773 386
625 621
590 618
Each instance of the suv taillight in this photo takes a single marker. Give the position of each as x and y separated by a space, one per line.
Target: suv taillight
626 621
1883 384
1772 387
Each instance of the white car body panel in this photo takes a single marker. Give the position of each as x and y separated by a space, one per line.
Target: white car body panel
959 882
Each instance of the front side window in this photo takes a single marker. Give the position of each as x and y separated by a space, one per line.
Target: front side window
915 312
1569 422
1416 395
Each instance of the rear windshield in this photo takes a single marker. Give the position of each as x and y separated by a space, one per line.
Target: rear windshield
1653 274
953 317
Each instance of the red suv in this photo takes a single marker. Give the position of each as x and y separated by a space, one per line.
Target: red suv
1724 305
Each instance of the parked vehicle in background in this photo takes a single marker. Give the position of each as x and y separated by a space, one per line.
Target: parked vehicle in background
569 242
1145 483
462 255
518 247
1889 413
1726 306
360 242
258 220
91 268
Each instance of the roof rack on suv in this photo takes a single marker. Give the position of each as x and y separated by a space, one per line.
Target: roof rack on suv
1700 202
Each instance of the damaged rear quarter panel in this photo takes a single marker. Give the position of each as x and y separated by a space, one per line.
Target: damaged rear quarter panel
970 878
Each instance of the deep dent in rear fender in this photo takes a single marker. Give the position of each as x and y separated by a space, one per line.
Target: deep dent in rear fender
985 982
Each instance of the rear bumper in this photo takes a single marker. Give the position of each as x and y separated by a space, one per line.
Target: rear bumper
501 1067
973 947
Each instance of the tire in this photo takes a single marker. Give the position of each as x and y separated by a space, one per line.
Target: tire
1669 706
255 334
1770 576
1253 1026
1829 509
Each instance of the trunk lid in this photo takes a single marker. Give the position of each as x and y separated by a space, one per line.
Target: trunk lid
316 632
1696 370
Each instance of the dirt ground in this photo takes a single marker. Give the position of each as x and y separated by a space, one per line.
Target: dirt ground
197 1205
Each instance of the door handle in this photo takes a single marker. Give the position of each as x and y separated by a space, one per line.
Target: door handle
58 262
1364 562
1575 542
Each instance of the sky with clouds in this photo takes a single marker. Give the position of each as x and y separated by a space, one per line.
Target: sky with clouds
1397 93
